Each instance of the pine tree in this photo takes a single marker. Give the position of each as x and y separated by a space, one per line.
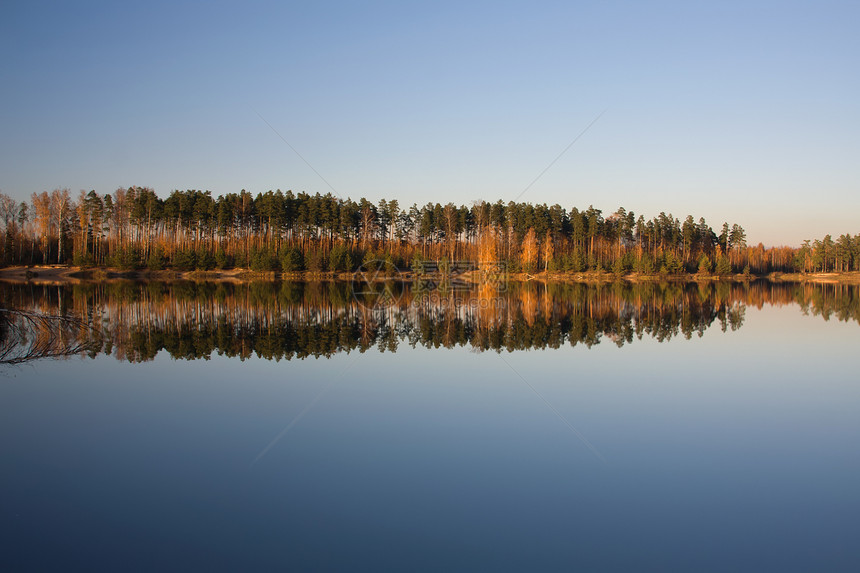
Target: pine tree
724 266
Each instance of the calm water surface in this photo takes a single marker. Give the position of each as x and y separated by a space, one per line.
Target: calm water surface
570 428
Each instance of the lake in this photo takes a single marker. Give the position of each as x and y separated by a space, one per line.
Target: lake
526 427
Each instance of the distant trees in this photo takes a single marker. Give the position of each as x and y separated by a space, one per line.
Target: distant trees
824 255
133 228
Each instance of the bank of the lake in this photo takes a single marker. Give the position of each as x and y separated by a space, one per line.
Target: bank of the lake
71 274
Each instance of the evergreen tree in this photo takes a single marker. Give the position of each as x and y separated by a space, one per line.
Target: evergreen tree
723 266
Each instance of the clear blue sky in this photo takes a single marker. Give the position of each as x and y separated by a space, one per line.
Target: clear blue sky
746 112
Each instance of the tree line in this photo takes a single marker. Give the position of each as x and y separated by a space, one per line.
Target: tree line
134 228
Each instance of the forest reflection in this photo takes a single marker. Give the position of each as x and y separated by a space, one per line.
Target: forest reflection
134 321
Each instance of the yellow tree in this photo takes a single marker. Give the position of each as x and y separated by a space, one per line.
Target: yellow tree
42 219
60 200
530 251
548 251
487 247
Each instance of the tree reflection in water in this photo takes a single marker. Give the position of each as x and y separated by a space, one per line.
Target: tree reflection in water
29 335
134 321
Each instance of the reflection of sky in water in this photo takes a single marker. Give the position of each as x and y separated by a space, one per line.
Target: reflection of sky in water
735 451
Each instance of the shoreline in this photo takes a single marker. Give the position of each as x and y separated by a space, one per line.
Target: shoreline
62 274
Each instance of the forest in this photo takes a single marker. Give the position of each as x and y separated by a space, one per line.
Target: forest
133 228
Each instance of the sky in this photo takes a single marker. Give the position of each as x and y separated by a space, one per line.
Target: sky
744 112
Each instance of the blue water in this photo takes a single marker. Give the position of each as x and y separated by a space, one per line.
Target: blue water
734 451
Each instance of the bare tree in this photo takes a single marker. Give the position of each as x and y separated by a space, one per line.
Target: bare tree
60 199
43 216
